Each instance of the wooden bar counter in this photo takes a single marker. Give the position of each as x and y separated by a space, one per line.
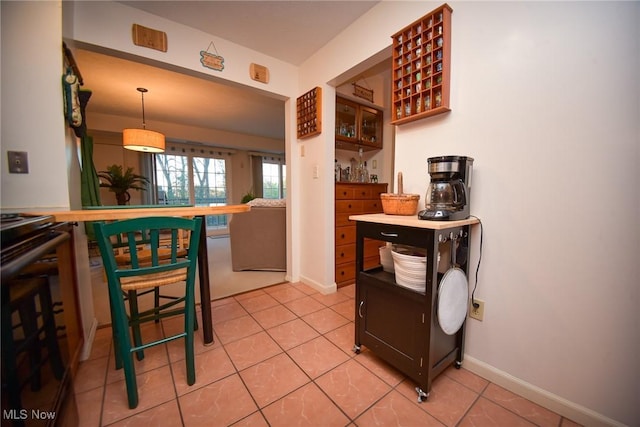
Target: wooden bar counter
127 212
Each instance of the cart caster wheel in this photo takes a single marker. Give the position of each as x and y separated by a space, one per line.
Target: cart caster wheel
356 349
422 396
458 365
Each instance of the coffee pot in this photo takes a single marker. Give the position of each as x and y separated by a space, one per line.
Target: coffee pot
447 196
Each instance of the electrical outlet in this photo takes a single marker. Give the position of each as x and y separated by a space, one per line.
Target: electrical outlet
476 312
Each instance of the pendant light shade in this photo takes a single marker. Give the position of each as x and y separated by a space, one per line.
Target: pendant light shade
144 140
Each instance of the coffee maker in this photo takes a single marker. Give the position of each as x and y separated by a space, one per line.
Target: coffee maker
448 194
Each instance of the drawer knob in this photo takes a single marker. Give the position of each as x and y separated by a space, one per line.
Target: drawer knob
349 206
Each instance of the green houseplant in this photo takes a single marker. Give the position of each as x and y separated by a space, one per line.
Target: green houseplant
121 182
249 196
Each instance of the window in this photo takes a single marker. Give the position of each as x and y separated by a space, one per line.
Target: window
190 179
273 178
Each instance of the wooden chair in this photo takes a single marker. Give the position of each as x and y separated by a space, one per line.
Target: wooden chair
144 273
34 335
123 258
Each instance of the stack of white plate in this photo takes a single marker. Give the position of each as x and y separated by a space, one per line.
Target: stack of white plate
410 266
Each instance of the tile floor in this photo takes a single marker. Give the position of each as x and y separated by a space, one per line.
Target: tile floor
283 357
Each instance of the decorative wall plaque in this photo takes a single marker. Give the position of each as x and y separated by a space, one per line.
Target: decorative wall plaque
363 92
148 37
309 108
259 73
211 60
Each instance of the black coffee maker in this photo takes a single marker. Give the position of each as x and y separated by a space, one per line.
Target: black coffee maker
448 192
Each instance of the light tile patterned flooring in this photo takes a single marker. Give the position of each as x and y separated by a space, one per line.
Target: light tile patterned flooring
283 357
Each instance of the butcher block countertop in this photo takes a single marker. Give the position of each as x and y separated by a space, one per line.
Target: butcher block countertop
412 221
107 213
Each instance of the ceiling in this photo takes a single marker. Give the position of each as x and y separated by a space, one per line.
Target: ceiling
281 29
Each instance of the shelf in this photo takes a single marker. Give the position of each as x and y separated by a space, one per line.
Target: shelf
384 278
421 67
309 113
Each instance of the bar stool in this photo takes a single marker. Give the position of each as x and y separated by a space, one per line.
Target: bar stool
153 272
35 331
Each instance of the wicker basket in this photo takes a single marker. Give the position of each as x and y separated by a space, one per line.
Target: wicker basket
399 204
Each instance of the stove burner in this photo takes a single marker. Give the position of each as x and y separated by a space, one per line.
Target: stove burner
6 218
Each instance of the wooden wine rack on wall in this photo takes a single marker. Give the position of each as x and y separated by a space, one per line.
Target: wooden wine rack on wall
422 67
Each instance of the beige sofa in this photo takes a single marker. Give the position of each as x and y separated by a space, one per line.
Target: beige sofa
258 238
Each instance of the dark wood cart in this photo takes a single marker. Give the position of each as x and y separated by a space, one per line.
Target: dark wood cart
398 324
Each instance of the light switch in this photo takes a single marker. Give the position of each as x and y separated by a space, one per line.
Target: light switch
18 162
316 171
301 150
374 164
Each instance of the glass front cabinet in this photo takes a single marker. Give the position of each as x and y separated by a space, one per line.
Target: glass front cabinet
357 126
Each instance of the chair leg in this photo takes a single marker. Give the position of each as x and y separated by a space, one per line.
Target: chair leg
29 321
135 325
189 347
156 303
195 317
8 355
123 348
114 337
50 332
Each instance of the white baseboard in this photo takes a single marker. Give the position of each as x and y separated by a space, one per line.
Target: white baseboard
323 289
88 341
567 409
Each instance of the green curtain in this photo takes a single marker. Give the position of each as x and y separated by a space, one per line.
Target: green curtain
89 181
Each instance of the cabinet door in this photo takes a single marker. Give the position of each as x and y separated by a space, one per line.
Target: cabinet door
392 326
370 127
346 121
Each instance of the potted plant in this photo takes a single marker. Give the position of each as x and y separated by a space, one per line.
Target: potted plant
249 196
120 183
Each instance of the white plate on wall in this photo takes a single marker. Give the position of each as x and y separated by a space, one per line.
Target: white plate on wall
453 300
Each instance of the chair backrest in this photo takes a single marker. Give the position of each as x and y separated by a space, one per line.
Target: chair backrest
157 234
143 239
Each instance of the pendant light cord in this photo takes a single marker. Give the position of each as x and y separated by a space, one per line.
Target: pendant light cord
142 91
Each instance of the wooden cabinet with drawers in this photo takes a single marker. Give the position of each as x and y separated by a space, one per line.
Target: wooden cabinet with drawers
354 199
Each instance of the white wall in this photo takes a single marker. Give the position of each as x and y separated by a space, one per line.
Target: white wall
545 97
32 118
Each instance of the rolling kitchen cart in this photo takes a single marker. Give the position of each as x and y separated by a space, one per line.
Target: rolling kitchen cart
398 324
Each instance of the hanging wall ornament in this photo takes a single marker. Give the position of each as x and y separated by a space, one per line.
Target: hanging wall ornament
210 60
71 86
363 92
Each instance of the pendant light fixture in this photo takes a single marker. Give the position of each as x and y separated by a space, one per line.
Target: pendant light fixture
144 140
